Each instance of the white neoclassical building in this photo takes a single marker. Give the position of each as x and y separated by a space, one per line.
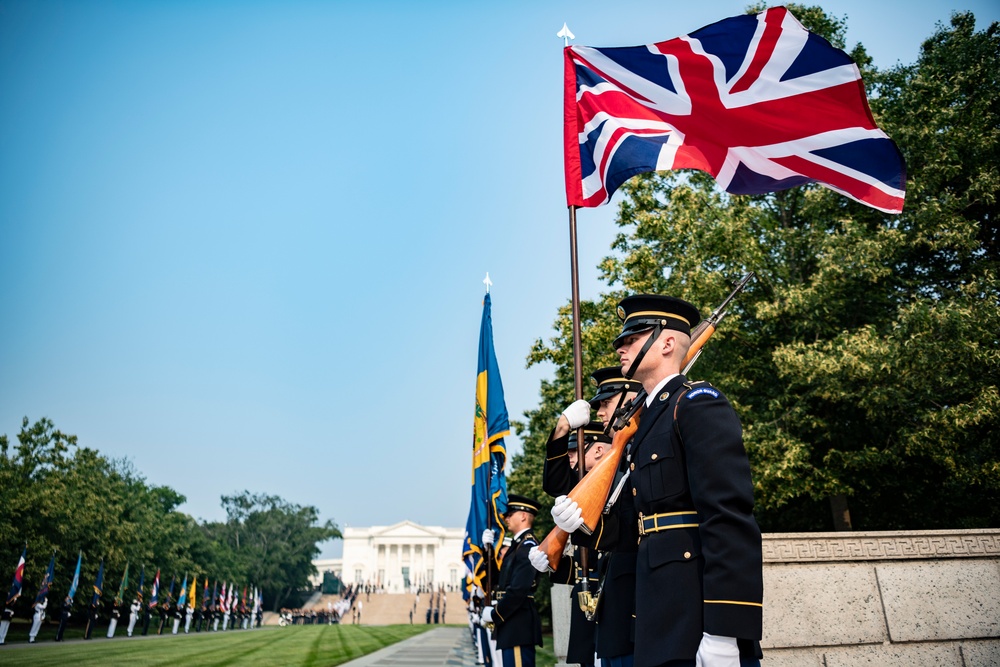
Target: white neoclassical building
399 556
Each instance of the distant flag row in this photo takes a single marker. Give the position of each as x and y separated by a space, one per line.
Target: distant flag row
227 600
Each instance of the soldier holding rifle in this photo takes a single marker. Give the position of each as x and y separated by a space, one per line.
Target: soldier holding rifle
699 571
559 477
698 568
615 535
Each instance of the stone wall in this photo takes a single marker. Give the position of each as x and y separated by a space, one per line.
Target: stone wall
889 599
882 598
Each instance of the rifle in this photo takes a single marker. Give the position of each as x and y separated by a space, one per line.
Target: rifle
592 492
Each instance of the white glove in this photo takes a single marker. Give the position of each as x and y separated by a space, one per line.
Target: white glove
577 414
567 514
487 615
478 592
488 537
539 559
716 651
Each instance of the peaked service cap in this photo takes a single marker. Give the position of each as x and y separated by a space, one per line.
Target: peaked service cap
642 312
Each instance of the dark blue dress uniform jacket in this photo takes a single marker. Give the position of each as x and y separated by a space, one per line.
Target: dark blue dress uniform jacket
704 572
615 536
558 479
515 618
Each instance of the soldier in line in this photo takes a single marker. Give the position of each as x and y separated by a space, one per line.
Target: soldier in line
699 570
115 615
518 628
147 613
93 614
559 477
37 617
133 614
616 535
177 613
64 614
5 618
164 612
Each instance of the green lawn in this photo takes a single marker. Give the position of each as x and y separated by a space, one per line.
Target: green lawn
293 646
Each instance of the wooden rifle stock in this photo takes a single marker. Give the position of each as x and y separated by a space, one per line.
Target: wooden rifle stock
591 493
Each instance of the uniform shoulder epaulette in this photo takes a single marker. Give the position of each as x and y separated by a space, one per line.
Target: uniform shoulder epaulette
529 539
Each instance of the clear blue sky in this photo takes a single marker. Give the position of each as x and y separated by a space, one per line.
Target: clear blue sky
243 242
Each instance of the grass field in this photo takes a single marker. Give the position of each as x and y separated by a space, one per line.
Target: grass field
293 646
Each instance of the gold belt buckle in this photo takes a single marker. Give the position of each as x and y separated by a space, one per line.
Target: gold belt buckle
642 528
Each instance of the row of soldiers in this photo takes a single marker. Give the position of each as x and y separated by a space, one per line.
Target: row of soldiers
674 566
157 615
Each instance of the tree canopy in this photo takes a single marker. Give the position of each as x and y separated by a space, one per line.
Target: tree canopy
58 497
864 360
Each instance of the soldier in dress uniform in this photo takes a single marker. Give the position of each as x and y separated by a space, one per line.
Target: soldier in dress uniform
64 614
115 615
5 618
559 477
699 570
164 612
133 614
93 615
518 628
616 535
36 619
147 614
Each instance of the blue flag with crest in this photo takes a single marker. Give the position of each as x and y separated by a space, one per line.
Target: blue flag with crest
489 456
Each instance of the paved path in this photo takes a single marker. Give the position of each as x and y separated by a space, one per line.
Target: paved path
450 647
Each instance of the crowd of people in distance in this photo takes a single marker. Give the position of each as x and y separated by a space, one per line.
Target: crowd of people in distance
351 603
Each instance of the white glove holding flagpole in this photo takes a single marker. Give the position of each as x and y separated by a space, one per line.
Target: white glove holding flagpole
539 559
716 651
577 414
567 514
487 615
488 538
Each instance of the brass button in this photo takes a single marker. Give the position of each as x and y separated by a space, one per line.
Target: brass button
654 457
633 492
631 466
687 554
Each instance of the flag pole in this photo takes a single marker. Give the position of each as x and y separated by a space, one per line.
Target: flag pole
489 548
577 370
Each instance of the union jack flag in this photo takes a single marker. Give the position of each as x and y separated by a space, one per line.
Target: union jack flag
758 102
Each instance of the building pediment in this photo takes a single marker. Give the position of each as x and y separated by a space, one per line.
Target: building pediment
406 530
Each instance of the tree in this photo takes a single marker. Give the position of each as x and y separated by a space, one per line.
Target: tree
273 542
864 361
59 497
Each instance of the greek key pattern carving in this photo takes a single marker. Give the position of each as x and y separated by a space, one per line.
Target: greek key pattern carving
906 545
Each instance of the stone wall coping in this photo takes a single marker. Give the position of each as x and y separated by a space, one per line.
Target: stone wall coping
881 545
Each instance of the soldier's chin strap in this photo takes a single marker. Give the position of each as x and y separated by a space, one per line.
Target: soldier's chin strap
657 330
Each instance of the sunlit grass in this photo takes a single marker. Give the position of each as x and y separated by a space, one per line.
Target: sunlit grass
293 646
